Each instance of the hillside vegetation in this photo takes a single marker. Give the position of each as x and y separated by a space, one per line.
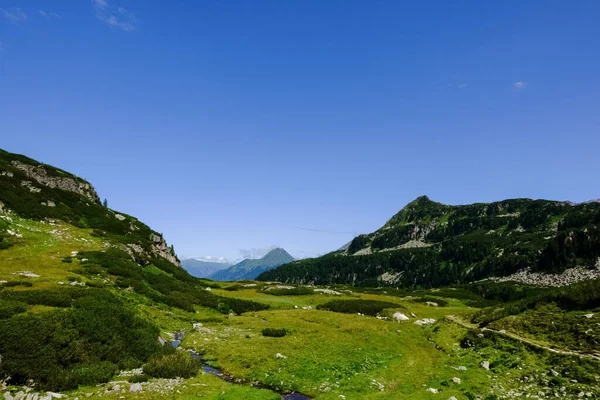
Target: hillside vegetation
73 274
94 304
430 244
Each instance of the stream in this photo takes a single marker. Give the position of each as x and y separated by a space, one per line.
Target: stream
221 375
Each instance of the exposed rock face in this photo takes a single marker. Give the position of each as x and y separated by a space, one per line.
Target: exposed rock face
160 248
40 175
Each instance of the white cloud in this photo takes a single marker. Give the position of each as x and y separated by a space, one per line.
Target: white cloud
50 15
519 85
114 16
221 260
257 252
14 15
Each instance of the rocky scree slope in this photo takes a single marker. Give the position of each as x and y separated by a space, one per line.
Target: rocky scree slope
431 244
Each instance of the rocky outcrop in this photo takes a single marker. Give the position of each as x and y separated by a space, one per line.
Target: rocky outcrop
161 249
41 176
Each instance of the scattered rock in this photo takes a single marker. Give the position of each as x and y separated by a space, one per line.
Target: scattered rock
431 303
432 390
567 277
400 317
328 291
13 233
208 289
135 387
485 365
456 380
29 185
425 321
461 368
589 315
279 355
282 287
27 274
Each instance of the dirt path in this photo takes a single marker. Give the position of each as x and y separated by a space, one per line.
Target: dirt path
521 339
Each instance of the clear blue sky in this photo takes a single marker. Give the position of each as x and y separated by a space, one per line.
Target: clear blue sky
233 125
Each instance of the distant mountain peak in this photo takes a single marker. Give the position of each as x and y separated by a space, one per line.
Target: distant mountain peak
251 268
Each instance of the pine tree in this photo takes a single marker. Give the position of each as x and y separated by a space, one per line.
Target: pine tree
105 203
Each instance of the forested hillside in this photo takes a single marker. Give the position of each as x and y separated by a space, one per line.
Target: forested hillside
431 244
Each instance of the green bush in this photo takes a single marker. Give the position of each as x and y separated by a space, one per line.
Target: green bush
9 308
18 283
58 297
177 365
82 344
274 332
139 378
367 307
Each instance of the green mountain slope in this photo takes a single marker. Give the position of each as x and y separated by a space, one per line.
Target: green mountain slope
80 284
432 244
250 269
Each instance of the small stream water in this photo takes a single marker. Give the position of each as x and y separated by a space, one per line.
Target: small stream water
221 375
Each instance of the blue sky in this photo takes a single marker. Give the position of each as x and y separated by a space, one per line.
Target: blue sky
237 125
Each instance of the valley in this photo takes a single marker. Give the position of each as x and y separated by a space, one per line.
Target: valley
94 304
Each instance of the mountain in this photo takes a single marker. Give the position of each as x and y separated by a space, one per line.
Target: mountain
432 244
84 288
202 268
250 269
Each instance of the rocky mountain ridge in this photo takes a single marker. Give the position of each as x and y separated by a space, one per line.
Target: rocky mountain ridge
433 244
42 192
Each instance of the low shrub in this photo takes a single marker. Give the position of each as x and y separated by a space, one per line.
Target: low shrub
177 365
9 308
234 288
59 297
81 345
18 283
367 307
274 332
139 378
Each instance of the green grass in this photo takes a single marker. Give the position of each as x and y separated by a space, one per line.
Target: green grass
82 336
